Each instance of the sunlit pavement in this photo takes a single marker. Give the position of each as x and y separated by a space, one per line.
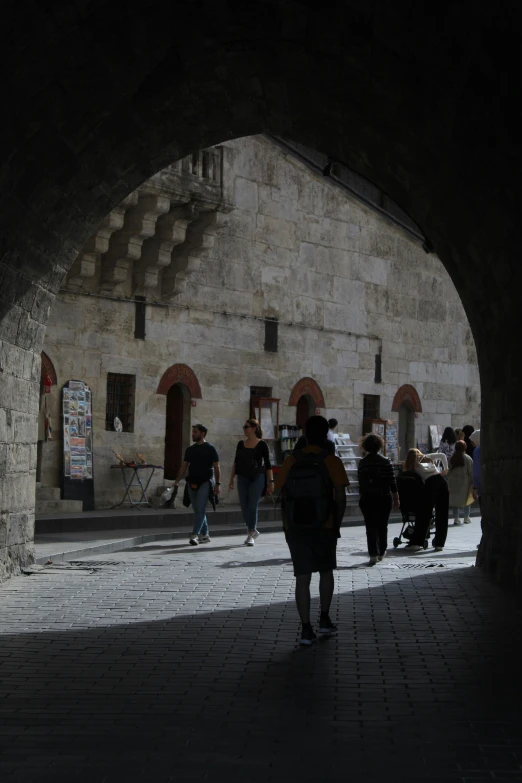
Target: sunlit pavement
171 662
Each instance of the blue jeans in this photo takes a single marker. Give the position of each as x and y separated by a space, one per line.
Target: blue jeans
457 510
198 499
249 497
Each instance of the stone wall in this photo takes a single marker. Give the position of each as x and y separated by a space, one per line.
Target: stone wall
342 281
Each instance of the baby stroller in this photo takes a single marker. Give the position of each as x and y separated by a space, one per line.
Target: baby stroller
413 505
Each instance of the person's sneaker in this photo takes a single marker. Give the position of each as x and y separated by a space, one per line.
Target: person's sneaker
373 560
204 539
413 548
307 635
326 625
467 520
194 540
381 557
457 521
250 541
438 548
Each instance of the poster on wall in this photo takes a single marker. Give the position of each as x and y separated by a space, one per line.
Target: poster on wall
435 435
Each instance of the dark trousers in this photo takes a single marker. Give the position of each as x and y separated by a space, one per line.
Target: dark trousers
437 496
376 512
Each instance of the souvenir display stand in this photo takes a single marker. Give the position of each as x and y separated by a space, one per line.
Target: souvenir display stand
78 483
132 481
349 454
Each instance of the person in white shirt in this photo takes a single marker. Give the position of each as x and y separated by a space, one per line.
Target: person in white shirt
332 424
436 494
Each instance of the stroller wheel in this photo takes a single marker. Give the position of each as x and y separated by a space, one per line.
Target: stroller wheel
396 542
425 545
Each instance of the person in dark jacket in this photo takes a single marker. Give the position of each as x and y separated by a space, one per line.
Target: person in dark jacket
253 469
378 493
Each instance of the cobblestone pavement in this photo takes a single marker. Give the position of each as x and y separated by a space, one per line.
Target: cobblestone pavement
175 663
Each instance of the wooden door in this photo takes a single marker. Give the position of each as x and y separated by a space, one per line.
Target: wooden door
173 432
302 413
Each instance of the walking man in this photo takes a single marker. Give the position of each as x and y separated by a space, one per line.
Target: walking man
201 459
313 484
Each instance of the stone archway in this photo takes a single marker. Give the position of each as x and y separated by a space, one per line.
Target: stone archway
407 394
307 387
431 130
180 373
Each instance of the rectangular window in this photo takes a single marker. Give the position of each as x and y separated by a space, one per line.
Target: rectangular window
139 318
371 406
260 391
271 335
120 401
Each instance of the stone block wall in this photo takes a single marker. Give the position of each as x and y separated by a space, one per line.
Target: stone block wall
341 279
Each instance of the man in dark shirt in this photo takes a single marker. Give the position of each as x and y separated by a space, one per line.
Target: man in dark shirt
200 459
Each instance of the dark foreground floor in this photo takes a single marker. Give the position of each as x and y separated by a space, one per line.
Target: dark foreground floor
178 664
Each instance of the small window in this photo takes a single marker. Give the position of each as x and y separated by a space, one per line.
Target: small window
371 406
139 318
120 401
271 335
378 368
195 164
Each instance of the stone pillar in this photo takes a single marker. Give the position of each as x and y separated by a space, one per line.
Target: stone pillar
21 334
501 451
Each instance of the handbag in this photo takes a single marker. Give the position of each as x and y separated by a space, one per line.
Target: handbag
470 499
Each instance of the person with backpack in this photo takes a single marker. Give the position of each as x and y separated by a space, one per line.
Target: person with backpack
378 493
312 485
253 469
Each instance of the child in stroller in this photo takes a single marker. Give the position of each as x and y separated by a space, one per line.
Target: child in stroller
414 506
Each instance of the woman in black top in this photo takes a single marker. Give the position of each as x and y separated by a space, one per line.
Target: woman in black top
378 491
254 475
470 447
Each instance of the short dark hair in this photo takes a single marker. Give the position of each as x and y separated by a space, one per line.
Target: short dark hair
371 443
316 430
200 427
332 423
467 430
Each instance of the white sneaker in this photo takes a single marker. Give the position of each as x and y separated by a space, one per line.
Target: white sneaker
457 521
373 560
250 541
194 540
413 548
467 520
204 539
438 548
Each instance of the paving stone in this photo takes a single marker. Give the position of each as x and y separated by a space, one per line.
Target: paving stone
418 684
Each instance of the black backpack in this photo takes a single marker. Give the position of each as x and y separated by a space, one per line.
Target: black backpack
308 492
371 482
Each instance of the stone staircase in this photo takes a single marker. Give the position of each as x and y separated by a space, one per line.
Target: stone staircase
48 501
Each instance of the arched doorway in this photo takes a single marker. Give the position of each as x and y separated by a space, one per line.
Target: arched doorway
406 403
181 387
177 428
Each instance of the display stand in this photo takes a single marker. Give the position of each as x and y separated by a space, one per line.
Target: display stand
349 454
78 478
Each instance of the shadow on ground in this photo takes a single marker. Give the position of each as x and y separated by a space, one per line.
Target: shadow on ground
420 684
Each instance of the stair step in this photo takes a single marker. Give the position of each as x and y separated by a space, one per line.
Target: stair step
58 506
47 493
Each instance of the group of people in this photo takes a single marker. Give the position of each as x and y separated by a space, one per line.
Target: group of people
312 484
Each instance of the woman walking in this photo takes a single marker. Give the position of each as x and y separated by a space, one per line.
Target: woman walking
437 495
460 483
378 492
254 475
447 443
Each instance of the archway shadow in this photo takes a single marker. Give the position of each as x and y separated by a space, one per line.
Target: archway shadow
419 684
